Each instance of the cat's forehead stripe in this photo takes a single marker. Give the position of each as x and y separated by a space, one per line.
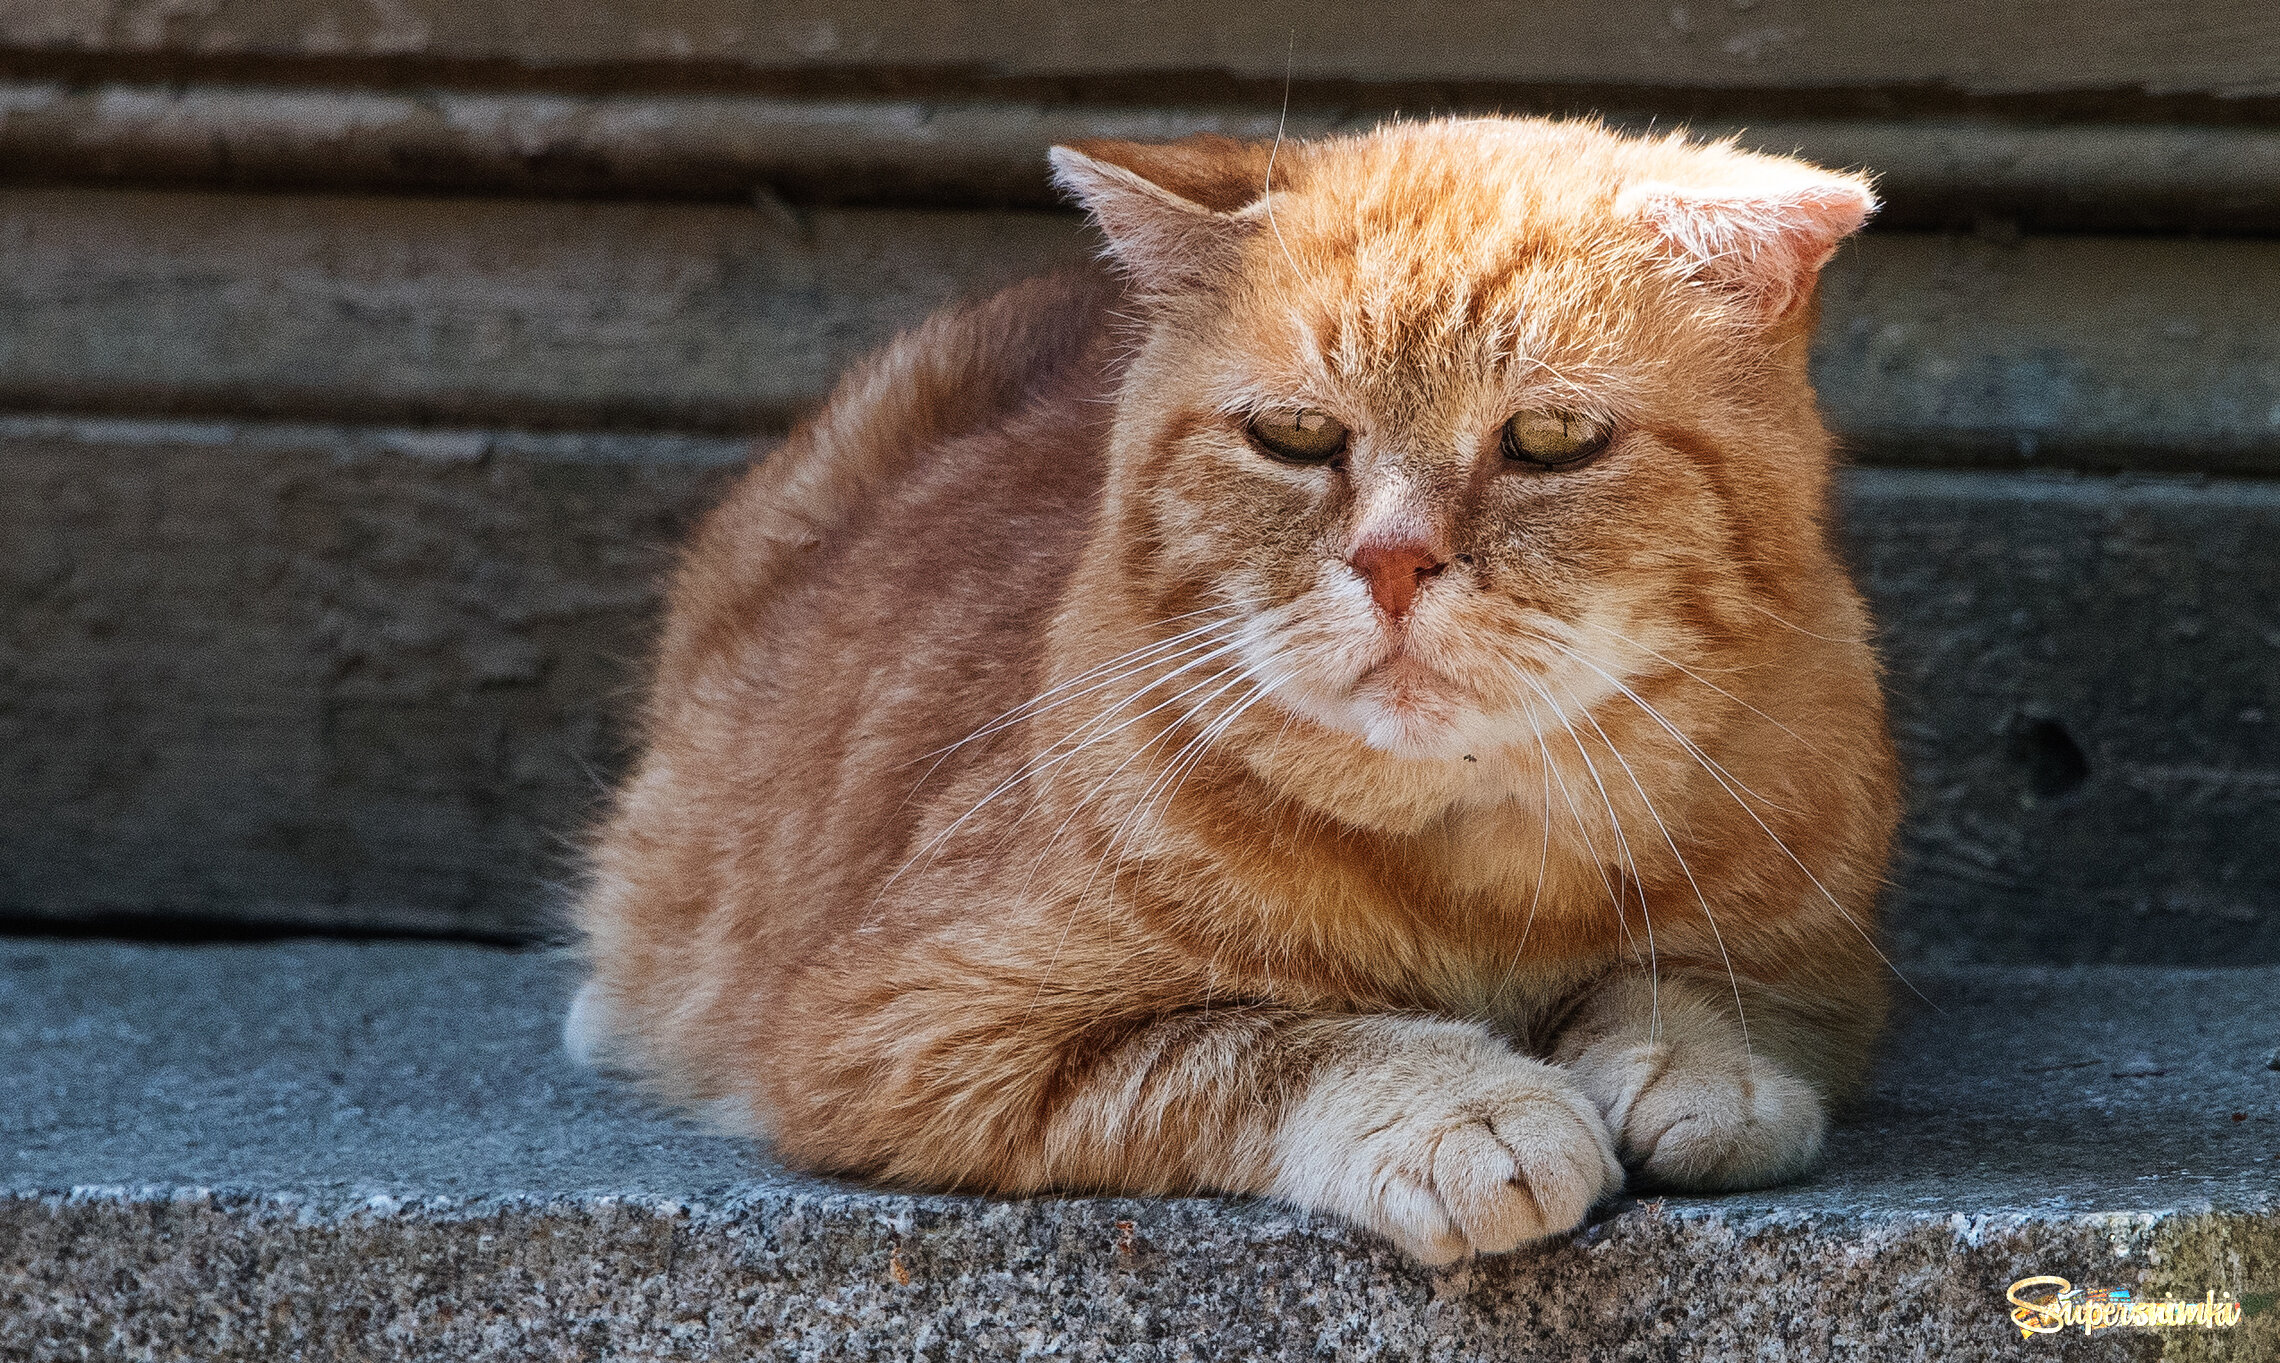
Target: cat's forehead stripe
1461 340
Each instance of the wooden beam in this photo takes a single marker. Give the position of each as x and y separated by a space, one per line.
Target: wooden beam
2204 46
970 152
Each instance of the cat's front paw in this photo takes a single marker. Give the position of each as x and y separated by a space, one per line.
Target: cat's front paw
1442 1140
1702 1114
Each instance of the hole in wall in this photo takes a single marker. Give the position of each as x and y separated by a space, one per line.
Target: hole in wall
2053 762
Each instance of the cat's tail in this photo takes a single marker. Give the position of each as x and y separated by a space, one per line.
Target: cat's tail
586 1031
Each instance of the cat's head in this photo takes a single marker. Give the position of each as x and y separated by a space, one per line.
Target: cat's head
1456 425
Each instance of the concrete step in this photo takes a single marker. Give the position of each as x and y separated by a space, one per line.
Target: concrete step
323 1150
358 679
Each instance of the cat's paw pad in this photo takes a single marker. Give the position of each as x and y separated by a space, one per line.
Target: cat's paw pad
1690 1119
1447 1160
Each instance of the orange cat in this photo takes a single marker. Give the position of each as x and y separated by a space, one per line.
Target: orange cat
1360 708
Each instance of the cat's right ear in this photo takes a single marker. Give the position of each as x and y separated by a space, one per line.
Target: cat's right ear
1172 212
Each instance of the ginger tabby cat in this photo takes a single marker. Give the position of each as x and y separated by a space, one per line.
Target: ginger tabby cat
1355 703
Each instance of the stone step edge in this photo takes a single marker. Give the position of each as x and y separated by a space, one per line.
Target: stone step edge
875 1275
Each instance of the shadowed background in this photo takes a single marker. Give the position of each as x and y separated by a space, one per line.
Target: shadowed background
361 360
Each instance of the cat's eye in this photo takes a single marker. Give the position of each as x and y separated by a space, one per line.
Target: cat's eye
1552 440
1299 434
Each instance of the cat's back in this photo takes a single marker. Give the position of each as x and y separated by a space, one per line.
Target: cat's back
930 413
876 588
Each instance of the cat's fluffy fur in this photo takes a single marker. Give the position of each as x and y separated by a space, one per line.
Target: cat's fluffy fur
1035 797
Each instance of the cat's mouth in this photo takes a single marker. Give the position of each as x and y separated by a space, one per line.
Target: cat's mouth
1406 684
1403 704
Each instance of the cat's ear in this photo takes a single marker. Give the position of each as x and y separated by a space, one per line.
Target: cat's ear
1764 237
1172 212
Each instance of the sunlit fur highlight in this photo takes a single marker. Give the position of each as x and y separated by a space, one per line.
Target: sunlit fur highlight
1033 798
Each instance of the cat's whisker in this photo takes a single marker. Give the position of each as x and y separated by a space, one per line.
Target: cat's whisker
1582 826
1623 844
1117 840
1046 761
1196 652
1543 858
1201 744
1218 649
1119 843
1241 672
1802 741
1571 387
1267 183
1192 644
1692 748
1774 616
1027 708
1740 1015
1716 769
1077 900
1240 675
1717 774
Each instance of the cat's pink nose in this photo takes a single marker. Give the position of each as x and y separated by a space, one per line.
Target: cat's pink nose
1394 568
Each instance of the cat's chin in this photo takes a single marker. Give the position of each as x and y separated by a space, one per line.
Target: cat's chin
1404 708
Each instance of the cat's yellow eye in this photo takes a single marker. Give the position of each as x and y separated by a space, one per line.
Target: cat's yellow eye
1299 434
1553 439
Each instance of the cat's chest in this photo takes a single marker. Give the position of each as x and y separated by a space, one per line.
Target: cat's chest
1493 918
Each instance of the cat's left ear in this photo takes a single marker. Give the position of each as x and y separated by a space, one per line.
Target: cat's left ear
1172 212
1764 238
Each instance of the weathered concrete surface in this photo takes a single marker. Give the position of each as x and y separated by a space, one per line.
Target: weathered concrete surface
2218 46
331 1151
2082 351
2086 684
315 677
956 150
344 679
612 316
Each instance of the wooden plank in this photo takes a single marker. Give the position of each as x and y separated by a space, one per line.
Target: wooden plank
2086 684
347 679
303 677
2074 351
584 315
2084 351
2218 46
991 153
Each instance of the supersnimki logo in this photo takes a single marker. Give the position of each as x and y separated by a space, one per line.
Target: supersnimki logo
2047 1304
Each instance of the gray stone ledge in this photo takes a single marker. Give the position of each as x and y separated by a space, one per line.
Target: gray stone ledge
318 1150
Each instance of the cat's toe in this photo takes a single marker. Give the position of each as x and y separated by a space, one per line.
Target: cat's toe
1691 1122
1524 1173
1476 1152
